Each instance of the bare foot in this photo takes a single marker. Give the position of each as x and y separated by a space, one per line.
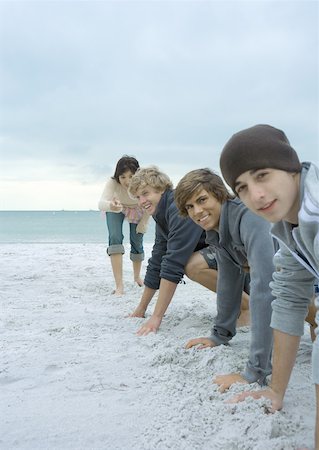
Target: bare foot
312 333
244 318
139 282
118 292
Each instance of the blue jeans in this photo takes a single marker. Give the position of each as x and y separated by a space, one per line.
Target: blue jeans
114 222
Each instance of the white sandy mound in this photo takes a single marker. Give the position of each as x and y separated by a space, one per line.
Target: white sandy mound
74 375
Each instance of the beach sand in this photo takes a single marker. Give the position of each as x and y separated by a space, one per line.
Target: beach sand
74 375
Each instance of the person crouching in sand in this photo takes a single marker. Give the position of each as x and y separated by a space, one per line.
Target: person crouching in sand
262 168
244 253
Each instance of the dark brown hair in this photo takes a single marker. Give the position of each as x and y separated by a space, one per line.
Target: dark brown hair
123 165
195 181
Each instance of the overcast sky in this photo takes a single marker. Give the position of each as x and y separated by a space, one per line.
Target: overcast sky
84 82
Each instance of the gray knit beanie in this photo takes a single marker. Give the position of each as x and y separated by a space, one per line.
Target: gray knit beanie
258 147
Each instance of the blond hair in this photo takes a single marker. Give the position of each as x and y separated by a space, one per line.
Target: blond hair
195 181
149 176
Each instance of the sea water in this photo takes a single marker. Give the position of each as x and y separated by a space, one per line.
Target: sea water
60 227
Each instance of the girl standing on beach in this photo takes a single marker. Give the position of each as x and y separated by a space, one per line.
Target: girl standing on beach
118 205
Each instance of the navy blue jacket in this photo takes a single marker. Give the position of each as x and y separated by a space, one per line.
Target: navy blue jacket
176 238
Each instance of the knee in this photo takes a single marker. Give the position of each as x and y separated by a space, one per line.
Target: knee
191 270
116 236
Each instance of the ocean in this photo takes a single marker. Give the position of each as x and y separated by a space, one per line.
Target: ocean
22 227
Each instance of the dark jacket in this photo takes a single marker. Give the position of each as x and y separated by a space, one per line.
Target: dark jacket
176 238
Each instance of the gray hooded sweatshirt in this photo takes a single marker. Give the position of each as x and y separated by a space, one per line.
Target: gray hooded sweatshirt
297 264
244 243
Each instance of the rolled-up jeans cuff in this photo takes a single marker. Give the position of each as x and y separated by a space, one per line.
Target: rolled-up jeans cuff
115 249
136 256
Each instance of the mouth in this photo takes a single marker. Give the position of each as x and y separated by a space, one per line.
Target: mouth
203 219
147 206
267 207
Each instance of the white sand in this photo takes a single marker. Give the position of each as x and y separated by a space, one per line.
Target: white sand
74 375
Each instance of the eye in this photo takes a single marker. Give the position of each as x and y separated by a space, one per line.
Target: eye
240 189
261 175
188 207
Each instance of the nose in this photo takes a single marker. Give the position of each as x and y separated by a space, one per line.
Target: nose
197 209
256 192
140 200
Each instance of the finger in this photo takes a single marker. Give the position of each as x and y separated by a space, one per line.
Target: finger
234 399
200 347
143 333
146 331
239 397
140 332
270 409
254 395
223 388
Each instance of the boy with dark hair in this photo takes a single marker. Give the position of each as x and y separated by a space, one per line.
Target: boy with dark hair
263 169
242 244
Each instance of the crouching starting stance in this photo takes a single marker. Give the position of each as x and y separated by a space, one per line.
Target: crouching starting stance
179 247
244 252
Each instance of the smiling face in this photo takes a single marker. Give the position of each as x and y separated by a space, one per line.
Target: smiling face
148 198
125 179
271 193
204 209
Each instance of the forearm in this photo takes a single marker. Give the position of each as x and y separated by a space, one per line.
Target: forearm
258 366
166 292
146 298
142 225
229 291
106 197
104 205
285 351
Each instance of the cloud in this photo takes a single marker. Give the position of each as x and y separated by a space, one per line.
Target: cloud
85 82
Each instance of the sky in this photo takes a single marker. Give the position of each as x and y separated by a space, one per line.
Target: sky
84 82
